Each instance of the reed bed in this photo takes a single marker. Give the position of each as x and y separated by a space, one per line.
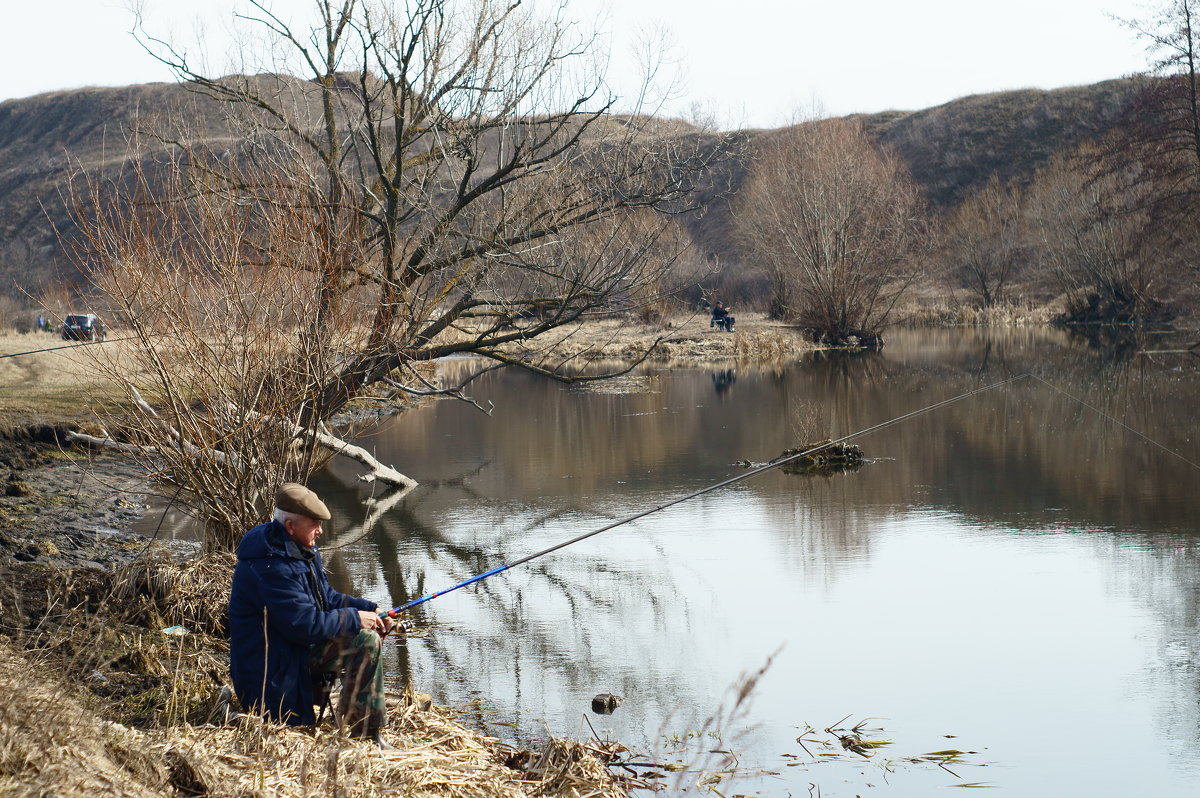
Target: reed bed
51 744
939 313
100 654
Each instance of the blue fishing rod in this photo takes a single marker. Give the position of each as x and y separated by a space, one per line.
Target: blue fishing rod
396 611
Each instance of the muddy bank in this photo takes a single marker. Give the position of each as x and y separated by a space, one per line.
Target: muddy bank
68 507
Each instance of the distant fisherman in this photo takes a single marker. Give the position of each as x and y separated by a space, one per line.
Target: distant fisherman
721 318
287 625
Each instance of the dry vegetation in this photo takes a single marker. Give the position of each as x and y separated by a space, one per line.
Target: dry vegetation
681 339
50 744
61 384
96 700
48 385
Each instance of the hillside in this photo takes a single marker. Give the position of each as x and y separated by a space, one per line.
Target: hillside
954 148
47 140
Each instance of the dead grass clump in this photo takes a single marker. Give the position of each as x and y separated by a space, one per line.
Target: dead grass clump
767 345
566 767
434 755
50 745
159 590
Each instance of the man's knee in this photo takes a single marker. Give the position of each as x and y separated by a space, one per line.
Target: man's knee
368 640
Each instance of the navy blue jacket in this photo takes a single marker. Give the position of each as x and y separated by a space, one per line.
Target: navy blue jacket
280 607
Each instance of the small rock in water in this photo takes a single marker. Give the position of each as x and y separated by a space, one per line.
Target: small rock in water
605 703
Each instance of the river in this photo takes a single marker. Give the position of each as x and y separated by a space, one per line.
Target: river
1013 575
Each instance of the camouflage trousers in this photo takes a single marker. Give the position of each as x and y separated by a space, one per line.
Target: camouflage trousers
361 708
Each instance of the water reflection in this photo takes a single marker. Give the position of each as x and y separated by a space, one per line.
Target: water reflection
723 380
989 550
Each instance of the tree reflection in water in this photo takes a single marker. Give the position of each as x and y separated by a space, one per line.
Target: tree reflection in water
625 612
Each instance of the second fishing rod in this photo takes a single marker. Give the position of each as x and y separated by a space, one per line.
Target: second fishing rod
396 611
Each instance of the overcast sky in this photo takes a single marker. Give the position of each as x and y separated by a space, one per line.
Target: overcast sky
751 62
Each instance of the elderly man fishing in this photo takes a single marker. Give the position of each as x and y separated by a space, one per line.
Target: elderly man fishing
286 624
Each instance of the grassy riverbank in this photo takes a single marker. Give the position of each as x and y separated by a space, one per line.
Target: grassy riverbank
96 699
56 740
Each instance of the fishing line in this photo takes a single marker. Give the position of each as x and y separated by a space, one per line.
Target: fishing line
67 346
1117 421
752 473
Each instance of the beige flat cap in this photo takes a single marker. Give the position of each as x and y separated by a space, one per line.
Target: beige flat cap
295 498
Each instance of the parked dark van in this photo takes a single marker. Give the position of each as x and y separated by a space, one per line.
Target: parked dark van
83 327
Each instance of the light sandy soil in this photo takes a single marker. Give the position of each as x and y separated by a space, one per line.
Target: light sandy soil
684 339
44 377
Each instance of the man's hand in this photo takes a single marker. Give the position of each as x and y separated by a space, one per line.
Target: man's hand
372 621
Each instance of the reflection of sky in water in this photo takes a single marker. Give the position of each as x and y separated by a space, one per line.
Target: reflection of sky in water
1015 644
1015 572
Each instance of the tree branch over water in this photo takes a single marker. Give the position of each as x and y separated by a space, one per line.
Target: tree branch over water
401 183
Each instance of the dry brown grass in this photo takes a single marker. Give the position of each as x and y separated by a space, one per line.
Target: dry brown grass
57 384
434 755
72 382
683 338
51 744
943 312
103 633
157 590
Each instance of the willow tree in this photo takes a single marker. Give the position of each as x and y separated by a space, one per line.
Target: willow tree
401 182
834 220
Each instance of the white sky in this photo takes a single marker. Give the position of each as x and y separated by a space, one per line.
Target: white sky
751 62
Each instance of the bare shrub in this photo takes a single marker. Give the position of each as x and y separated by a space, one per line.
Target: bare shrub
833 221
1093 233
982 242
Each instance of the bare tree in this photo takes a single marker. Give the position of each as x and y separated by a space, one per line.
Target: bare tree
403 183
1091 228
1158 138
833 219
982 241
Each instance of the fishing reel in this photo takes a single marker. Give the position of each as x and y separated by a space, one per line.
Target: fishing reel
400 626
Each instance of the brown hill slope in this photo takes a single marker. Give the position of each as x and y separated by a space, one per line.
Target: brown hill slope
951 149
956 147
48 139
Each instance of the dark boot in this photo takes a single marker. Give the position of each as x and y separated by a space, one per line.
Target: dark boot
372 730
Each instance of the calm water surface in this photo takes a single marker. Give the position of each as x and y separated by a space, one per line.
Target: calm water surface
1014 575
